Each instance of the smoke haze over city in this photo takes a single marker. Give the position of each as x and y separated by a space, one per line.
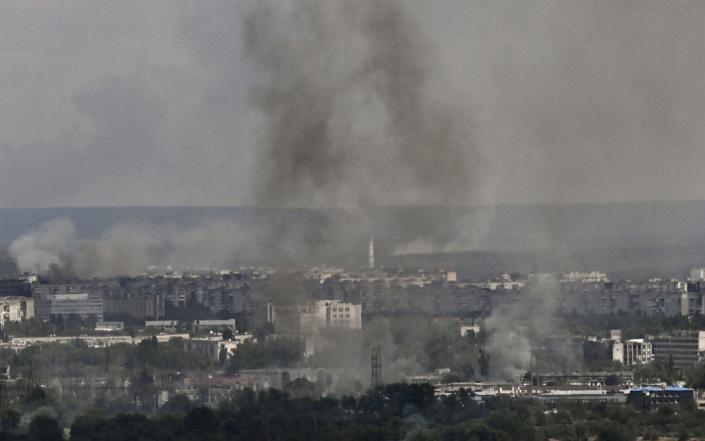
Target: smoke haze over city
352 220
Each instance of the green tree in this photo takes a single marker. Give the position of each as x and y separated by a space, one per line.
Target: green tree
201 421
222 354
179 403
86 428
9 420
44 428
302 388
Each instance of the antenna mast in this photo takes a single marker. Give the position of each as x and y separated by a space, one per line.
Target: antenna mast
376 361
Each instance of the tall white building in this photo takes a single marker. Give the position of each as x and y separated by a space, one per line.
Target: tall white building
637 351
15 309
310 317
697 273
632 352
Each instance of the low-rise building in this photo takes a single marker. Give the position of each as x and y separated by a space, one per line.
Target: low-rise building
109 326
633 351
637 351
92 341
683 348
135 305
310 317
469 329
84 304
213 325
651 396
214 347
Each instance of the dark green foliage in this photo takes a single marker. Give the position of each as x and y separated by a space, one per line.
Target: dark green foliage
302 388
36 395
84 427
222 354
200 422
279 352
180 404
43 428
395 411
612 432
9 420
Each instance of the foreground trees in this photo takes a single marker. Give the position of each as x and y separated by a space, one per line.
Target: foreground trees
396 411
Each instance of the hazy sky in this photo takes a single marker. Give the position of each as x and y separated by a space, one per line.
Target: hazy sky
151 102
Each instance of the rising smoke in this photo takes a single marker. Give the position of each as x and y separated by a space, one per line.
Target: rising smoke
515 330
55 249
351 120
351 123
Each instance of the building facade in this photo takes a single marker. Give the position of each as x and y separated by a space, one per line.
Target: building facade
310 317
683 348
633 352
85 305
15 309
10 287
139 306
649 397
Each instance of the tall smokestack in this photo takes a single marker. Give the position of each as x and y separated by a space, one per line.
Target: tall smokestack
371 253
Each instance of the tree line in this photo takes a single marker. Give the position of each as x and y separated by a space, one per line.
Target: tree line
396 411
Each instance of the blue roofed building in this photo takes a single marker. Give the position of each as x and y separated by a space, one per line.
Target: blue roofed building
653 396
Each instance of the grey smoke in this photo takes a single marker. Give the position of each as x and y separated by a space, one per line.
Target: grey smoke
568 100
552 101
514 329
56 250
350 118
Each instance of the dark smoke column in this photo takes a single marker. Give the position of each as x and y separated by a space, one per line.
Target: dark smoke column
349 118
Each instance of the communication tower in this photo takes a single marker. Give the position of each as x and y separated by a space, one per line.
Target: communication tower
376 361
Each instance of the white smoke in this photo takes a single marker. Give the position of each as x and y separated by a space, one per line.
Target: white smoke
55 249
513 328
39 251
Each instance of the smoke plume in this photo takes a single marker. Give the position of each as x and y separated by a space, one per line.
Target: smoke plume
350 117
515 328
55 249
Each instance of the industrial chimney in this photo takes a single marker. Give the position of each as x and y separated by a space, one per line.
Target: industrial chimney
371 253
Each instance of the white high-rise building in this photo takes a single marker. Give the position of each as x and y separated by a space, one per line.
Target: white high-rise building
15 309
310 317
697 274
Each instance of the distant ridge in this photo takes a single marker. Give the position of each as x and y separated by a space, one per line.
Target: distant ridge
511 227
666 235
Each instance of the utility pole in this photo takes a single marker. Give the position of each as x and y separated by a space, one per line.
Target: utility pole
209 388
3 394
